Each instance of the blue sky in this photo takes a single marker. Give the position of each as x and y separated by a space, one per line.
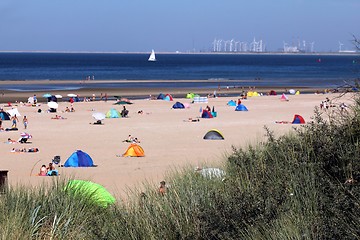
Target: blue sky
165 25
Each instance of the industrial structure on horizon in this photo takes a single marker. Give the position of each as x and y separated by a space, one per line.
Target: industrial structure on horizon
232 45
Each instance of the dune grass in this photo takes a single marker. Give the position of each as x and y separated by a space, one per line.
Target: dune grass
302 185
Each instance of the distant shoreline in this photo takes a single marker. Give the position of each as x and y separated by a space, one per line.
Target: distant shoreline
137 93
192 53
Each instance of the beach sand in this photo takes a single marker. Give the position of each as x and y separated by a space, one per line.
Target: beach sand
168 139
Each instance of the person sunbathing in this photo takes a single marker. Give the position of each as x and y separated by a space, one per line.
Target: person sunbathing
17 150
192 120
58 117
9 140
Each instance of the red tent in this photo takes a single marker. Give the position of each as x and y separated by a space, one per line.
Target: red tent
298 119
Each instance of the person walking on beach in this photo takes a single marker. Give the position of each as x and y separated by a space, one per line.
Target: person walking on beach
25 122
14 120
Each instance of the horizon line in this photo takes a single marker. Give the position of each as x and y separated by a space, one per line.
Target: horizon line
181 52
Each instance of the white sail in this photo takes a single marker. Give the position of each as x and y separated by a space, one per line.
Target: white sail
152 57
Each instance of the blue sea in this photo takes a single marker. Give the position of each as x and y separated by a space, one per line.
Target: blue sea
211 70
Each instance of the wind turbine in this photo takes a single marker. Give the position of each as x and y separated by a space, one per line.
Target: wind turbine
214 44
340 46
312 46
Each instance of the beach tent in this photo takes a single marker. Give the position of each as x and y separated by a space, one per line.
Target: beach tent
252 94
79 159
168 97
113 113
298 119
292 91
213 134
297 92
13 112
134 150
284 97
206 114
161 96
178 105
231 103
241 107
272 93
4 115
190 95
92 191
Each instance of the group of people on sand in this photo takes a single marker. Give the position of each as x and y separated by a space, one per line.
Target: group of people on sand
58 117
48 171
132 139
24 150
67 109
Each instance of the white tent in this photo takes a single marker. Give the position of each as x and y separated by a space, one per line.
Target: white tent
13 112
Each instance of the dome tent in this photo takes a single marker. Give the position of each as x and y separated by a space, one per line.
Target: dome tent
241 107
79 159
178 105
113 113
213 134
134 150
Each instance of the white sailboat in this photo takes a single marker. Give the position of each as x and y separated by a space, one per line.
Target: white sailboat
152 57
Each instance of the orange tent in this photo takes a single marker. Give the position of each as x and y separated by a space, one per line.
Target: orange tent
134 150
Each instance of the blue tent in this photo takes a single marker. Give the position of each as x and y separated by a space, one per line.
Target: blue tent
79 159
4 115
241 107
161 96
231 103
178 105
206 114
113 113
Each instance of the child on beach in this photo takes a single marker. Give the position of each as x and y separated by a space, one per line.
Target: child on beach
43 171
25 122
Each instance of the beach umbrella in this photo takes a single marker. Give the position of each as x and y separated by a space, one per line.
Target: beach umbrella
52 105
25 135
93 191
58 96
47 95
71 95
99 116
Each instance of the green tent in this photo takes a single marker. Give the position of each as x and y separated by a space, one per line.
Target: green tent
192 95
95 192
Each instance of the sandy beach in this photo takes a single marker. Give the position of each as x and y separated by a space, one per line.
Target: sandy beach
168 139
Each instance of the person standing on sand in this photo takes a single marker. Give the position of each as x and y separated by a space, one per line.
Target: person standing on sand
25 122
14 120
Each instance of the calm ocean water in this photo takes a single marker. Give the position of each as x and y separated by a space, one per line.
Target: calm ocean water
226 69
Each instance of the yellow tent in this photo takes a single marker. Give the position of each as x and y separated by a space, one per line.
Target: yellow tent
134 150
297 93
